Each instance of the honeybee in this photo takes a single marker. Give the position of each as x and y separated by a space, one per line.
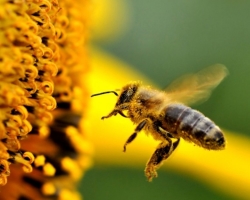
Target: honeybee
165 116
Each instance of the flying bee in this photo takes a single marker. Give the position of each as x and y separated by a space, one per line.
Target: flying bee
165 116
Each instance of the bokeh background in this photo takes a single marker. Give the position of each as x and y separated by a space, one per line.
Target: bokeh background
158 41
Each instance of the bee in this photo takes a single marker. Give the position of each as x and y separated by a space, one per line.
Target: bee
166 116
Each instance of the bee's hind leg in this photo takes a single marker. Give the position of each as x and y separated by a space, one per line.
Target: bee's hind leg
137 130
163 151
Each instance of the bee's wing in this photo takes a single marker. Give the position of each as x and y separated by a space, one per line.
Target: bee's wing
194 88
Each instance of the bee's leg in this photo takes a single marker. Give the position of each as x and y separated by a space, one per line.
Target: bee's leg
122 114
117 110
114 112
163 151
133 136
176 143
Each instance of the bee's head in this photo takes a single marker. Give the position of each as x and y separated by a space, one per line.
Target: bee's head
127 93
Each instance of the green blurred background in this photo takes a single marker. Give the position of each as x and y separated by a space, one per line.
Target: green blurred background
163 40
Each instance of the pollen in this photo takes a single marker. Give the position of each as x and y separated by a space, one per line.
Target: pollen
48 189
49 170
43 64
39 161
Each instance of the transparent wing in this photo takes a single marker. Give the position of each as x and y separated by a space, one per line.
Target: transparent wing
195 88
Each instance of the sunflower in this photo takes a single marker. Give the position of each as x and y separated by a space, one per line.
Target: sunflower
42 92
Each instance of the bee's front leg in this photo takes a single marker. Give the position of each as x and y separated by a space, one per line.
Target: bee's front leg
117 110
122 114
114 112
163 151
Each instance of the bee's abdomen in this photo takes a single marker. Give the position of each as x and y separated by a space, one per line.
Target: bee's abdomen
177 115
193 126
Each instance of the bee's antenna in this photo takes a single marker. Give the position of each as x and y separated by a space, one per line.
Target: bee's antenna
104 93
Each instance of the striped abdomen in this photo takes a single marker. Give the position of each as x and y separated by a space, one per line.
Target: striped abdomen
192 126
